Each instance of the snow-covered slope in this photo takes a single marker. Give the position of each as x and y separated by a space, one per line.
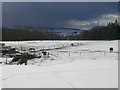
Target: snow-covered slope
0 76
88 64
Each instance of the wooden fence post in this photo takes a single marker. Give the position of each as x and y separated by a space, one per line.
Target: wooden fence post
69 53
6 60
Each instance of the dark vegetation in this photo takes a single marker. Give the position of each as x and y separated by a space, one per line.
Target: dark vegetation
109 32
20 35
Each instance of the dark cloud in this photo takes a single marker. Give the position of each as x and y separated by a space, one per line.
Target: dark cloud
53 14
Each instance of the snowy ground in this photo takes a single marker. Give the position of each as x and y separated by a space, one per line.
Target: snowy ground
89 64
0 76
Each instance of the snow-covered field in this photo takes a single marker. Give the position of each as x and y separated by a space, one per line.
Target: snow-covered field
88 64
0 76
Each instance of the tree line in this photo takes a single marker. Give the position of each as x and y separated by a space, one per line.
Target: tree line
109 32
23 35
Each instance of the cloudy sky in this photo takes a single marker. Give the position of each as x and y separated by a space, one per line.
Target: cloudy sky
82 15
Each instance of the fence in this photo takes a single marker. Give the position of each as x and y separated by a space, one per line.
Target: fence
68 53
80 53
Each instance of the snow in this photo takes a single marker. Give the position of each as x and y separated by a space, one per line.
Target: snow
88 64
0 76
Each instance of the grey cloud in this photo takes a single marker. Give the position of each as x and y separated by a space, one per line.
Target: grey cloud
53 14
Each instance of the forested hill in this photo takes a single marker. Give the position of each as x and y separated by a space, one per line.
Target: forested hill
109 32
23 35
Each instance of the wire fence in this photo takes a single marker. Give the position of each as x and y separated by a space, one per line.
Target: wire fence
59 47
80 53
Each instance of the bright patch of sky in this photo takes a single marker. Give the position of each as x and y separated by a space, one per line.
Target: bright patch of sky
102 20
